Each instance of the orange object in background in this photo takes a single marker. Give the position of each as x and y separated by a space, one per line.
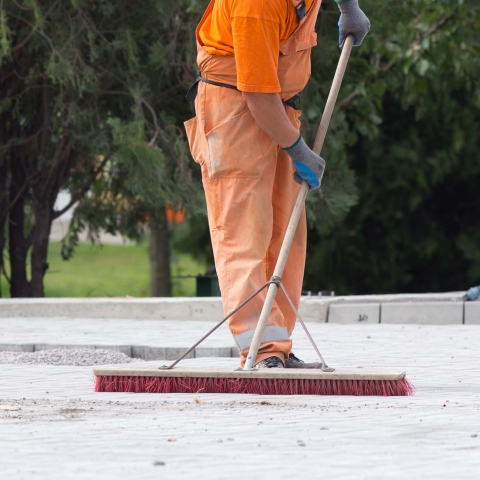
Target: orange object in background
174 215
250 191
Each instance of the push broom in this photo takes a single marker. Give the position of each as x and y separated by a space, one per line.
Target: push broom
274 381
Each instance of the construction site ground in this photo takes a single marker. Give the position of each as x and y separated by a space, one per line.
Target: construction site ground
53 425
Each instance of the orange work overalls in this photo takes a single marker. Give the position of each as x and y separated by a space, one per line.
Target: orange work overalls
249 188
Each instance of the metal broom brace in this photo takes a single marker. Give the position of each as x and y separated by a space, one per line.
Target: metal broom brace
297 210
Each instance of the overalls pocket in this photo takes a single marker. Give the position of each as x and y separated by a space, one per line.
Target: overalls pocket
294 66
196 140
235 142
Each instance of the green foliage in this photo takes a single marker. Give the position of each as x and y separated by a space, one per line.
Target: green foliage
4 34
398 207
414 119
98 86
93 103
151 164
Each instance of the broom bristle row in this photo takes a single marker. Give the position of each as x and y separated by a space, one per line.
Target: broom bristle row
259 386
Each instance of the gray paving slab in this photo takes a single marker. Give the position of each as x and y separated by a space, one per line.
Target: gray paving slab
180 308
472 312
174 353
65 431
312 308
17 347
201 352
354 313
428 313
148 353
64 346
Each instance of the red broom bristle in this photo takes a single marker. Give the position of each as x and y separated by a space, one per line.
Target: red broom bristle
259 386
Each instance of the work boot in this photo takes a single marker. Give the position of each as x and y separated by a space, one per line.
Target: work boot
294 362
270 362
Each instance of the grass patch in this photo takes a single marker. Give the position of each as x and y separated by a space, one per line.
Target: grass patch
110 271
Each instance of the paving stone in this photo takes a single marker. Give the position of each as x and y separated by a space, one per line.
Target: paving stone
64 431
213 352
52 346
354 313
235 353
15 347
134 308
148 353
172 353
472 312
313 309
432 313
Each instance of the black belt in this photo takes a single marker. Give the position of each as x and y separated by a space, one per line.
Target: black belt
293 102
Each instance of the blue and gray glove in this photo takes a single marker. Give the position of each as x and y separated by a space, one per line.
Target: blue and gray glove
308 165
352 22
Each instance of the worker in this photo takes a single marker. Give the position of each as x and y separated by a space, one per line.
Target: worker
254 60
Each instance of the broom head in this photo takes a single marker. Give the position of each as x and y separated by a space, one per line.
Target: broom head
147 378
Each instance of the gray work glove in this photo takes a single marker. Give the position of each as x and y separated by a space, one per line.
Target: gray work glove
352 22
308 165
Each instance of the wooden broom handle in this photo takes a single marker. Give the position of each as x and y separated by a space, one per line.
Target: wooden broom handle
317 148
332 96
299 204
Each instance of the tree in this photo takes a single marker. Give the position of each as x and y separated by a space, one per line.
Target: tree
398 206
409 119
93 102
88 106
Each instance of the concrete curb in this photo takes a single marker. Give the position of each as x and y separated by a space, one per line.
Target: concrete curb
431 308
119 308
472 312
144 352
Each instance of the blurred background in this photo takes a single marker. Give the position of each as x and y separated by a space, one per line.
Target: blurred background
99 195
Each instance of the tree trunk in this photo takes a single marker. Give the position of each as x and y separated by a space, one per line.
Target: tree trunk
3 212
20 286
45 192
43 225
160 256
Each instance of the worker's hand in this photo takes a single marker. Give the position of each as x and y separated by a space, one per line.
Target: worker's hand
352 22
308 165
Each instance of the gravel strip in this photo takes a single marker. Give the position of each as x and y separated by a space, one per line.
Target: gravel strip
79 357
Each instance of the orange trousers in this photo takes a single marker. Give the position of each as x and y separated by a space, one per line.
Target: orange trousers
250 193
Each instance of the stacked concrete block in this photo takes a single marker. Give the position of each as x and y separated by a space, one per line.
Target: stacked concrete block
17 347
428 313
354 313
472 313
50 346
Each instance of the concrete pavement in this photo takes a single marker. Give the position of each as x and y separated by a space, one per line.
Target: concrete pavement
65 431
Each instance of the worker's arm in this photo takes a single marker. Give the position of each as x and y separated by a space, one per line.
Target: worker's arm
269 112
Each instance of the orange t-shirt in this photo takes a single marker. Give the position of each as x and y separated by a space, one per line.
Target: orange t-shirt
252 30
